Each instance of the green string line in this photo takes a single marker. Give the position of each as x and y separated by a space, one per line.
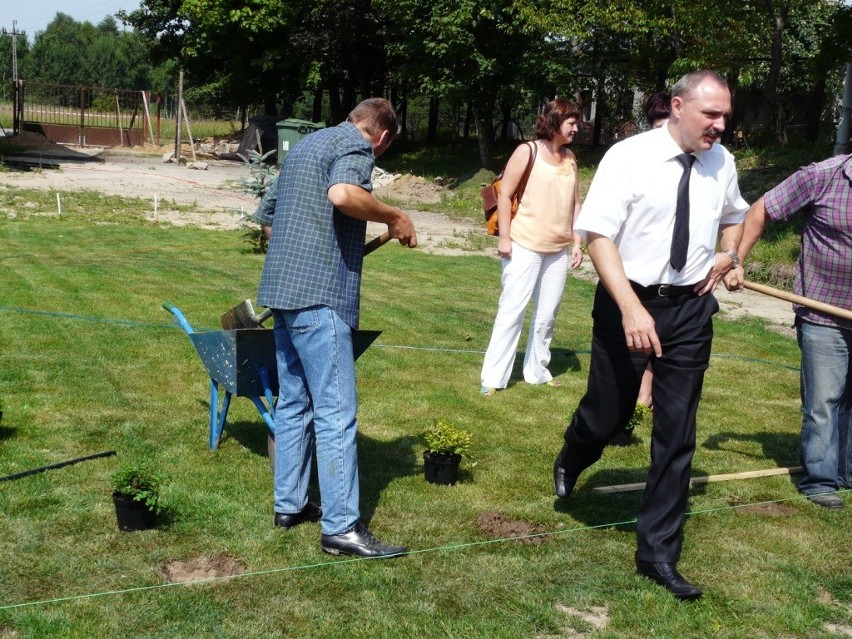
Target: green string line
422 551
103 320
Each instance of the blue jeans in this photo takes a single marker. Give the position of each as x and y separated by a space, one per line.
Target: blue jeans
826 447
316 409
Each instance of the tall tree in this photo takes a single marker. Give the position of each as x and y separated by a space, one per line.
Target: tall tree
469 51
345 42
58 52
239 50
23 49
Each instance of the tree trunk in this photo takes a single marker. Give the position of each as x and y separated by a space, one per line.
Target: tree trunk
316 111
349 97
776 106
483 114
269 106
432 131
468 119
600 109
334 102
813 110
506 122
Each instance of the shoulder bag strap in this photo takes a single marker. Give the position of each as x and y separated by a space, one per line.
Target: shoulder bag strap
522 185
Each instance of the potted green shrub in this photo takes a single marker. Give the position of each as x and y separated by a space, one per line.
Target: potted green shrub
446 446
136 495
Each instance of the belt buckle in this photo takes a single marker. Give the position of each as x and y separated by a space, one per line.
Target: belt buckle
663 290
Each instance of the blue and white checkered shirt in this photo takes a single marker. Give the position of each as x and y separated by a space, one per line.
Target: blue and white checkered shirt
316 251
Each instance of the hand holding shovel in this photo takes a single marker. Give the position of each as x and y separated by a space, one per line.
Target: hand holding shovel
243 315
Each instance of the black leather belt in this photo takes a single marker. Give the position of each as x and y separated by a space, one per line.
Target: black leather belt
660 290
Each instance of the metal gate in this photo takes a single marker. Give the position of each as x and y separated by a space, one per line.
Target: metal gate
84 116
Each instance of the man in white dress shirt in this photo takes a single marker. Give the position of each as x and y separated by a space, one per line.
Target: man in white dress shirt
655 304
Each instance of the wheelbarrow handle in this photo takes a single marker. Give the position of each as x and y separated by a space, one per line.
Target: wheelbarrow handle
179 317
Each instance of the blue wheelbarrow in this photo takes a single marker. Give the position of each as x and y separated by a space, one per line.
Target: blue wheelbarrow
243 362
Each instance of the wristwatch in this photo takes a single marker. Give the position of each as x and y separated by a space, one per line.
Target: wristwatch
735 259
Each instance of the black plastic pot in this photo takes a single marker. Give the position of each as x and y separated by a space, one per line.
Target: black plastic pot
441 469
132 515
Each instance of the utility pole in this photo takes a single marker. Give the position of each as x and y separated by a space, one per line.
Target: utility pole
15 34
841 145
16 88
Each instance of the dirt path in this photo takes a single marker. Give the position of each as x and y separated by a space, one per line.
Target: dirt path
218 201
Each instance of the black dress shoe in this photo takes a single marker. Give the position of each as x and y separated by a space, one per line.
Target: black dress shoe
359 541
563 483
669 578
311 512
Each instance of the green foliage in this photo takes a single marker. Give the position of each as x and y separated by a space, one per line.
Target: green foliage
640 414
71 52
262 174
139 482
445 438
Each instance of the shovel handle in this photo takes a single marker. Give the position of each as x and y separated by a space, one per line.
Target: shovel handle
369 247
798 299
376 242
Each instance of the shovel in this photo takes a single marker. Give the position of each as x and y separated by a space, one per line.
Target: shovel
243 315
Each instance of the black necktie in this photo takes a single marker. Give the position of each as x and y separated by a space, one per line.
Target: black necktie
680 237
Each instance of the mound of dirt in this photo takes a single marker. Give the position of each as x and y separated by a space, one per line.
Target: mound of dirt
34 142
180 571
494 525
411 189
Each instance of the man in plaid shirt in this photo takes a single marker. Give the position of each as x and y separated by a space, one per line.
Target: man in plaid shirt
318 213
822 193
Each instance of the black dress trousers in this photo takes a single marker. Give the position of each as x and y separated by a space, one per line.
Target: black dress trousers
684 327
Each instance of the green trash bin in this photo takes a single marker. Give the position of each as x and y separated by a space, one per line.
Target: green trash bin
290 131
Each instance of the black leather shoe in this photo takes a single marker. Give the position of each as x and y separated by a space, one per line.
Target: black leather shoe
359 541
563 483
669 578
311 512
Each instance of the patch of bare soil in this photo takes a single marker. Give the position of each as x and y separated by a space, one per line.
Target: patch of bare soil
590 621
185 571
769 510
495 526
411 190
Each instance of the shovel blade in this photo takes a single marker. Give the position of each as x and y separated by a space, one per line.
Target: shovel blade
241 316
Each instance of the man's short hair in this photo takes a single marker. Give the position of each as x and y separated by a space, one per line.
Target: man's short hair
375 115
688 83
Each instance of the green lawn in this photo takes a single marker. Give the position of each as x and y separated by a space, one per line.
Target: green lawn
91 362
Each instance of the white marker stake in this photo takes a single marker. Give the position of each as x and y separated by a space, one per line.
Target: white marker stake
58 205
156 202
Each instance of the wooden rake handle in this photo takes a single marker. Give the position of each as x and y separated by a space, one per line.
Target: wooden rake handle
798 299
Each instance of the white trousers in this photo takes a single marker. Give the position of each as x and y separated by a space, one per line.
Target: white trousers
527 274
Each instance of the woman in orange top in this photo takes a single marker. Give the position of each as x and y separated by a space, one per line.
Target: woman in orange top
537 247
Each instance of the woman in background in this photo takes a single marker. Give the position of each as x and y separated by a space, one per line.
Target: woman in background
537 247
